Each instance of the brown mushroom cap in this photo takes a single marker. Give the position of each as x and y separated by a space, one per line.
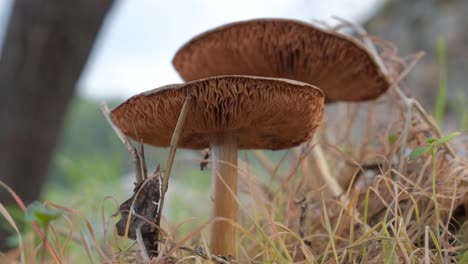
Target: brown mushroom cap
264 113
283 48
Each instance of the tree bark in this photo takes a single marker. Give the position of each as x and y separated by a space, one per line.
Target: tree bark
45 49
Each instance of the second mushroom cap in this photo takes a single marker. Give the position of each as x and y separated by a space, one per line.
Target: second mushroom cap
285 48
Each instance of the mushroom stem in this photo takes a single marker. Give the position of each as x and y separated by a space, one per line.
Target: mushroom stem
224 186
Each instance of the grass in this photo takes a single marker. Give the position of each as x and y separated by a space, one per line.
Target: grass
396 216
395 209
442 90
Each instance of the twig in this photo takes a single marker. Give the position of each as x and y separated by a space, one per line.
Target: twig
325 174
175 140
170 160
141 154
133 152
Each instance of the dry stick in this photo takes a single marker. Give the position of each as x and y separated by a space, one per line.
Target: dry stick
324 171
322 166
173 148
133 152
141 153
409 102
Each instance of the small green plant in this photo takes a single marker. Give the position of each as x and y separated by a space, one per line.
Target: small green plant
442 90
37 212
434 144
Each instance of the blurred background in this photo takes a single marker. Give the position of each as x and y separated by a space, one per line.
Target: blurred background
60 59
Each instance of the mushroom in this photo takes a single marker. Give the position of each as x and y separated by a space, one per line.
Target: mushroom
284 48
227 113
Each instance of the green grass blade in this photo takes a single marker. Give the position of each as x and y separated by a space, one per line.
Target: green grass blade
442 90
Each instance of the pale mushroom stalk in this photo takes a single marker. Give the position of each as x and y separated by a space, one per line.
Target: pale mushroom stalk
224 180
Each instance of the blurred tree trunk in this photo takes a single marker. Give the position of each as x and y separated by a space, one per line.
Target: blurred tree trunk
45 49
416 25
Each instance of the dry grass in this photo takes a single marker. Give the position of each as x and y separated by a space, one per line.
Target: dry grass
394 210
